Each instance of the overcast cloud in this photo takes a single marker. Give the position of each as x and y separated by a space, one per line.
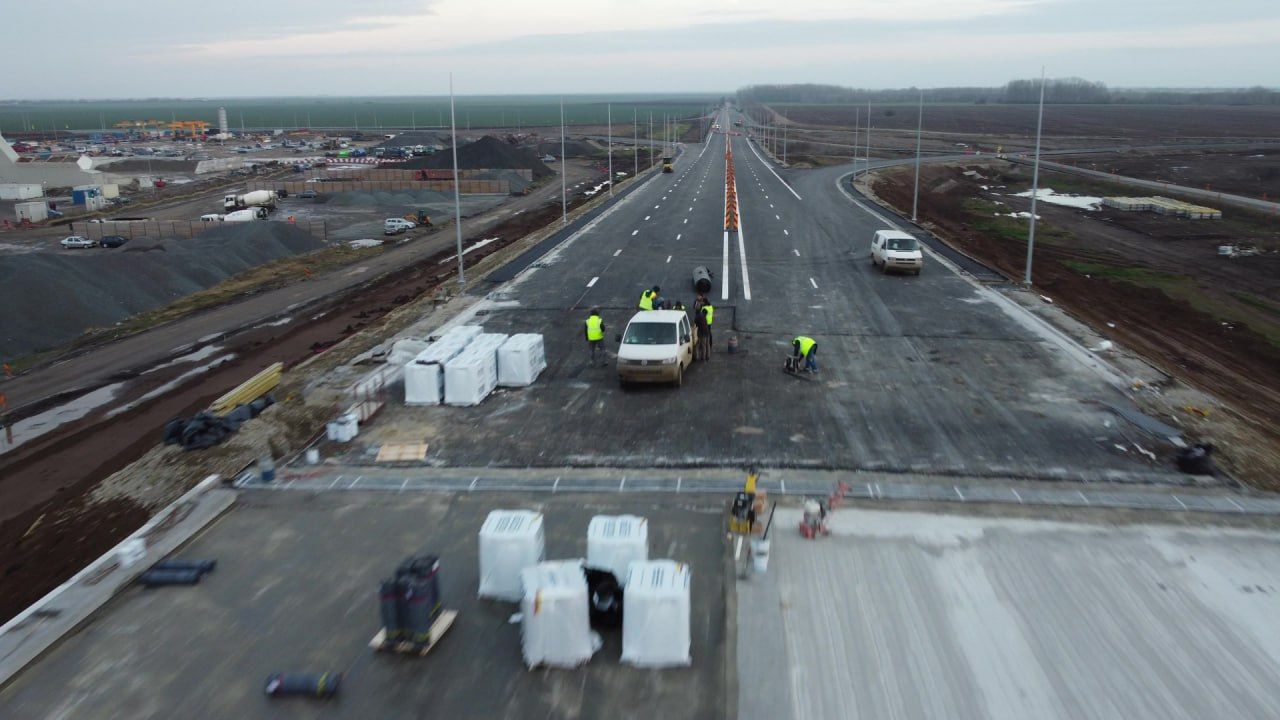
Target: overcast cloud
97 49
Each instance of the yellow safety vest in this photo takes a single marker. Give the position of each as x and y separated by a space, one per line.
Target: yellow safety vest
595 328
709 313
646 300
806 345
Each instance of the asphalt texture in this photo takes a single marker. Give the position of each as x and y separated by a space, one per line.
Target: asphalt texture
918 615
927 374
290 594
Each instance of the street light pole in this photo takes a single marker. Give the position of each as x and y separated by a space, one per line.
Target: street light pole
1035 183
868 137
915 194
635 142
457 196
784 139
564 183
609 112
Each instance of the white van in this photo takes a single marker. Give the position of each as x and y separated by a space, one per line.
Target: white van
657 346
893 250
395 226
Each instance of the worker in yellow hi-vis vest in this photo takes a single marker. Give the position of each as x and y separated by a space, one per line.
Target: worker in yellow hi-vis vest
595 336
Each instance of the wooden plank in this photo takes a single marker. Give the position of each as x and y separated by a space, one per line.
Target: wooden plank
438 629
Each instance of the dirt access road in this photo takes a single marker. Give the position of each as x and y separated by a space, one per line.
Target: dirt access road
97 366
1251 173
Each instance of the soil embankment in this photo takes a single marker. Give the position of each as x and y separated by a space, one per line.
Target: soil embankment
51 298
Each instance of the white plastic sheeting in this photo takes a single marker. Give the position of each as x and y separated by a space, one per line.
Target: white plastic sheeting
510 541
473 374
344 429
556 624
406 349
521 359
616 541
424 375
655 626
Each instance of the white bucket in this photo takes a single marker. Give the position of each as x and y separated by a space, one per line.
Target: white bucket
760 555
131 552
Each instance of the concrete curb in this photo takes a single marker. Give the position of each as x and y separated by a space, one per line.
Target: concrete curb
67 607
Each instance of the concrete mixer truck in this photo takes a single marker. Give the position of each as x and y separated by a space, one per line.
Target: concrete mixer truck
257 198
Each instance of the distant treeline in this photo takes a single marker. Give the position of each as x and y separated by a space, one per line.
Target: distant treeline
1057 90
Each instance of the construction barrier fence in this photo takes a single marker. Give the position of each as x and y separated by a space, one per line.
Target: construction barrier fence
183 229
466 187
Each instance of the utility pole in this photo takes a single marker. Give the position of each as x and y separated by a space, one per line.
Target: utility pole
635 142
457 195
609 111
784 140
1035 183
868 137
857 121
650 138
915 194
564 184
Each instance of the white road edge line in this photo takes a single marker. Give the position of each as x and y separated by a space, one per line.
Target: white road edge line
766 165
724 269
593 281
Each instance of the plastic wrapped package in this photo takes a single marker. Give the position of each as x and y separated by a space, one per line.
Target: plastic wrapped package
555 625
406 349
521 359
510 541
616 541
473 374
424 374
655 625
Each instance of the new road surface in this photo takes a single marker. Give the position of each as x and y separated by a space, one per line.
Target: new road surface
930 374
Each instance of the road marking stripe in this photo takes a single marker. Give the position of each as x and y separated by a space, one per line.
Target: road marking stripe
635 232
786 232
742 249
646 217
686 221
813 283
617 252
766 165
679 235
779 217
724 269
797 252
655 207
593 281
668 258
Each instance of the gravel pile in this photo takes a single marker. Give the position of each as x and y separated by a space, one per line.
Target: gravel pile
412 137
50 298
486 153
386 198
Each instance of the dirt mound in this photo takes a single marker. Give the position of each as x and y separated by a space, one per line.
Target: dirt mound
52 297
486 153
413 137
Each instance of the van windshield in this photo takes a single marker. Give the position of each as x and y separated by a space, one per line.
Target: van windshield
901 244
650 333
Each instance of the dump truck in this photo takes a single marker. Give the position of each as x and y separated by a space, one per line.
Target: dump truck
257 198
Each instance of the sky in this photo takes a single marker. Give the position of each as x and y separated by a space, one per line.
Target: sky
239 48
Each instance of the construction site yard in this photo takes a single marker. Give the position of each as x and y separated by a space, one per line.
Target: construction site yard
295 590
1250 172
1155 284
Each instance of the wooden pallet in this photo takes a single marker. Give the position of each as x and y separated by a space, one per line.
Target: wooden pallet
438 629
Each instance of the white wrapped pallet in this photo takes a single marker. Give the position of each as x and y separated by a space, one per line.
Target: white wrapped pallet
510 541
655 626
616 541
424 375
555 627
463 333
521 359
473 374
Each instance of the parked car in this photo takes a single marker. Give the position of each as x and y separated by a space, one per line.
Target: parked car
77 241
113 241
657 346
395 226
307 194
893 250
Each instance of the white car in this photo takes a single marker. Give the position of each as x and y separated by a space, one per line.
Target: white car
78 241
893 250
395 226
657 346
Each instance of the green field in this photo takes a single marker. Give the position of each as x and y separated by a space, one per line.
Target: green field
348 112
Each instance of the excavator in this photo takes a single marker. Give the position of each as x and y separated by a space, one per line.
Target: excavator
419 217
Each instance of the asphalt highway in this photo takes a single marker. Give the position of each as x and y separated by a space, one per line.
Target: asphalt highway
930 374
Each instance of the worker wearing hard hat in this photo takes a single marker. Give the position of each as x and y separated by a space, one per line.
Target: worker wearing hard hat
806 348
595 336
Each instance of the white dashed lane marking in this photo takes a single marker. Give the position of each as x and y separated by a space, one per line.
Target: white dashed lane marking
635 232
814 284
797 252
593 281
617 252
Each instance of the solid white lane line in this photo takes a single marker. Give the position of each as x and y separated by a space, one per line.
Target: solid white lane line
617 252
593 281
770 169
635 232
742 250
724 269
814 284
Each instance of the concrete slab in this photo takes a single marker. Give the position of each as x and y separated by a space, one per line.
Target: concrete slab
915 615
295 590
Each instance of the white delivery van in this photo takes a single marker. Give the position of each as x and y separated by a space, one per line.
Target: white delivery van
657 346
894 250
